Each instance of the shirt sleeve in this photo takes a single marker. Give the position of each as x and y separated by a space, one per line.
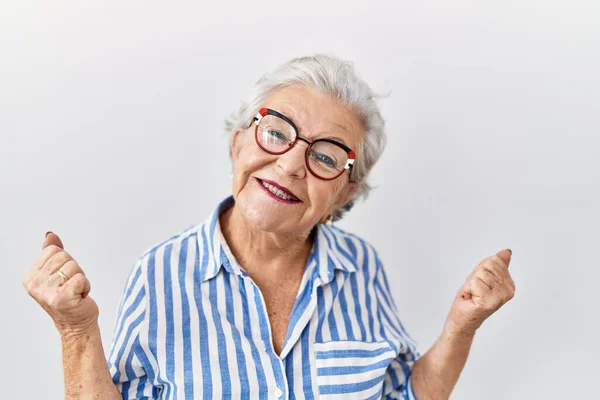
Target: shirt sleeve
397 382
127 359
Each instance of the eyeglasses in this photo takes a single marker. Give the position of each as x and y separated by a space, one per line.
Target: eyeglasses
325 158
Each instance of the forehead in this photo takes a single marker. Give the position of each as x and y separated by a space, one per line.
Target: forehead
317 115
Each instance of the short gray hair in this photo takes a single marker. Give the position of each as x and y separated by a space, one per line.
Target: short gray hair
334 77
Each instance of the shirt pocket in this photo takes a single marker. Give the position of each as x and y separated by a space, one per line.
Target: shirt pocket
352 369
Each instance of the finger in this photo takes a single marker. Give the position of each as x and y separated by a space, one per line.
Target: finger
52 239
38 287
77 285
498 268
486 277
465 290
472 274
48 252
511 283
56 261
485 283
494 266
30 282
479 288
87 289
469 290
69 269
508 285
505 256
510 291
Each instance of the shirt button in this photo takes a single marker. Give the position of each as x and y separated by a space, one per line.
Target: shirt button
278 393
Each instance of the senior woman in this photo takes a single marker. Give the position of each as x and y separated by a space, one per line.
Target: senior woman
266 299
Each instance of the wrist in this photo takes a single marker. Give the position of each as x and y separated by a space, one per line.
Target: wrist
78 334
454 332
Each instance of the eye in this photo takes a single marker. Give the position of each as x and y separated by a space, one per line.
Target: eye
276 135
323 159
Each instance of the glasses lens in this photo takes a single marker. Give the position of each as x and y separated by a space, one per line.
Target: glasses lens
274 134
327 160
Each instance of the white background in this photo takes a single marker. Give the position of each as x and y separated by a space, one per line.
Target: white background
111 135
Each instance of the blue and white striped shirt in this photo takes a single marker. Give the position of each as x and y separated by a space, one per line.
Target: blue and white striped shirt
193 325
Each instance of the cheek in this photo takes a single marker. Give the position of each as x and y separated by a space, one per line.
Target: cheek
325 194
248 156
249 161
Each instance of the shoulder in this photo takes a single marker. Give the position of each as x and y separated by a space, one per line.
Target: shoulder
203 234
352 242
357 250
175 243
175 240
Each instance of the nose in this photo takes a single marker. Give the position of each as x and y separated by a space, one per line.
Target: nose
293 162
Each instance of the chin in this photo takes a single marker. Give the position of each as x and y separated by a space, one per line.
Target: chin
259 215
265 214
264 219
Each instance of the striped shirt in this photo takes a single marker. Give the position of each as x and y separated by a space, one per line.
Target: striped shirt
192 324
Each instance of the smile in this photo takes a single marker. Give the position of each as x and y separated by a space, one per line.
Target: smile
277 192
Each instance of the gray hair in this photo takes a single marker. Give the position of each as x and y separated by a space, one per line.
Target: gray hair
334 77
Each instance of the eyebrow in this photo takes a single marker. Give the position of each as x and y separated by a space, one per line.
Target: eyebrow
336 138
285 111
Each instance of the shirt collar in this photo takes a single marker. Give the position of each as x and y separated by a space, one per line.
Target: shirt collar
334 253
330 250
214 251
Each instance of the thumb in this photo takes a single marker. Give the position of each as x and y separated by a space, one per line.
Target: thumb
505 255
52 238
465 291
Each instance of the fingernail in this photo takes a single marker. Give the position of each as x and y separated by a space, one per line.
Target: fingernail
510 251
47 234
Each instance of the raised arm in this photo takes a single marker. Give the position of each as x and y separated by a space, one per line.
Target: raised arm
59 285
488 288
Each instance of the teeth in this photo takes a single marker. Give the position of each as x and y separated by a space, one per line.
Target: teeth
278 192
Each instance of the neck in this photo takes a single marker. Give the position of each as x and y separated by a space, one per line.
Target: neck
263 252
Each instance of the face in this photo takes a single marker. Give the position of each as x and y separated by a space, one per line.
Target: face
256 171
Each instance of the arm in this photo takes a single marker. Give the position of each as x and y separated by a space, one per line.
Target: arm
488 287
86 371
435 374
59 285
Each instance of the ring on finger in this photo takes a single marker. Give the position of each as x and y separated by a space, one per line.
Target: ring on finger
62 275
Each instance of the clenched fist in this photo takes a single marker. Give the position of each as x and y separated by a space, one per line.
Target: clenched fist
59 285
487 289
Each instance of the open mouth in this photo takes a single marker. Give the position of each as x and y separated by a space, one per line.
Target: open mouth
277 192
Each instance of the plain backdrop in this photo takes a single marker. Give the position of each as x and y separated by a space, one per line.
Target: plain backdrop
111 135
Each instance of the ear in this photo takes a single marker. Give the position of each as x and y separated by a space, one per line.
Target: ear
236 144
